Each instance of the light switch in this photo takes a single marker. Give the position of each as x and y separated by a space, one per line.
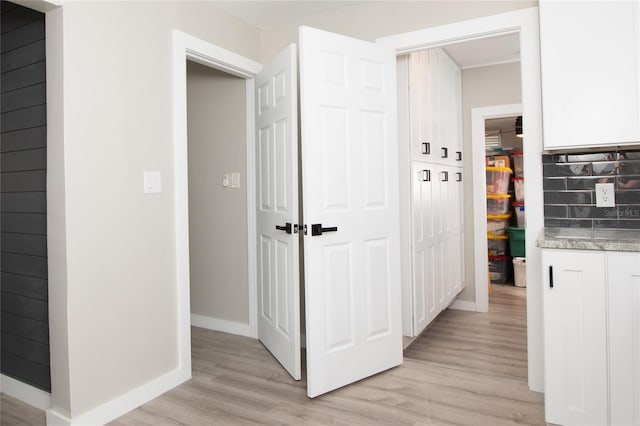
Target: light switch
605 195
152 182
225 180
235 180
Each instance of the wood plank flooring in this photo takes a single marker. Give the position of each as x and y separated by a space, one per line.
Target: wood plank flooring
468 369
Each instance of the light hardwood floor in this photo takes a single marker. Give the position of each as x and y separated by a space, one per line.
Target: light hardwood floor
468 369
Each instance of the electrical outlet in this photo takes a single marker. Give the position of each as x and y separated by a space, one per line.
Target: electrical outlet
605 195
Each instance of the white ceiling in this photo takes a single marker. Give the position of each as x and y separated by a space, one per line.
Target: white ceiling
486 51
267 14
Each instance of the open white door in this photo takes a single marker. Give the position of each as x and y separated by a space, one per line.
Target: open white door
350 182
277 210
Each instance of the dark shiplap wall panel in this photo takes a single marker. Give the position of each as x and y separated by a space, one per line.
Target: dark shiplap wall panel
35 288
23 220
22 98
24 139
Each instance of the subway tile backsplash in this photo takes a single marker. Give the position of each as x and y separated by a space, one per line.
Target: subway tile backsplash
569 189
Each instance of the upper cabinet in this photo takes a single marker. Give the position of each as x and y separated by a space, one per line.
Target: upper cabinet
590 56
435 108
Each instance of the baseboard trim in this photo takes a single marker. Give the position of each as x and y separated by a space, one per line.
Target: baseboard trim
122 404
463 305
26 393
217 324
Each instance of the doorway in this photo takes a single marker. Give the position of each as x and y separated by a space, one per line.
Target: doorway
525 24
218 249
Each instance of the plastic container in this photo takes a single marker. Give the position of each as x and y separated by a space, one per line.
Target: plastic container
497 224
520 218
516 242
499 269
519 272
518 186
518 166
497 161
498 180
497 245
498 203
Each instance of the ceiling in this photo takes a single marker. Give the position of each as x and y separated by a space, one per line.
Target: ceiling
268 14
486 51
500 124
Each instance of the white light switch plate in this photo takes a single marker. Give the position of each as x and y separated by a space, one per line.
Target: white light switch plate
152 182
235 180
605 195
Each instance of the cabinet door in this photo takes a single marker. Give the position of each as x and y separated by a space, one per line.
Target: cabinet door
425 222
623 277
590 76
575 343
419 105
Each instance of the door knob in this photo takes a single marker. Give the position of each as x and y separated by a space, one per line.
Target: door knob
286 228
317 229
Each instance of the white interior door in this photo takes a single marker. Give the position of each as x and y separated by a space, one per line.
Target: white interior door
350 181
277 210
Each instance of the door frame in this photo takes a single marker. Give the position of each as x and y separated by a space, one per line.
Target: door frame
478 117
524 22
187 47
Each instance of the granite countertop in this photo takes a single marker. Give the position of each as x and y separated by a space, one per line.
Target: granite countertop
590 239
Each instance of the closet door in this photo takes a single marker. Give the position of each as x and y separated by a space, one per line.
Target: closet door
277 210
350 203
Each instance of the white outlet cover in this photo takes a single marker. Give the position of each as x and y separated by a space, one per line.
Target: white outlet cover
605 195
152 182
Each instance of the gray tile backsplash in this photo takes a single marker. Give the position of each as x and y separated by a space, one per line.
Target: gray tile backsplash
569 189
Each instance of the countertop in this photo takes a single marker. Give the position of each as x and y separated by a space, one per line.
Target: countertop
590 239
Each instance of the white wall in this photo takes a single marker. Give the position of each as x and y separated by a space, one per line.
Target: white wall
368 20
482 87
217 215
114 247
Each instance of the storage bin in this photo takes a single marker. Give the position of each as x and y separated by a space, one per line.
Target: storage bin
497 245
518 164
516 242
518 186
498 180
499 269
497 161
519 272
497 224
519 209
498 203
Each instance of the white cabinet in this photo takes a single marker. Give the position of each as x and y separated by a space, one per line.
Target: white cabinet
592 337
437 258
435 107
575 340
623 271
590 65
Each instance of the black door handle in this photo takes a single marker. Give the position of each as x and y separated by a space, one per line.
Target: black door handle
459 178
426 148
458 155
286 228
445 176
550 276
317 229
444 152
426 175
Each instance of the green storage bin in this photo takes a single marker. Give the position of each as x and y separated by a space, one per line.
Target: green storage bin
516 242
